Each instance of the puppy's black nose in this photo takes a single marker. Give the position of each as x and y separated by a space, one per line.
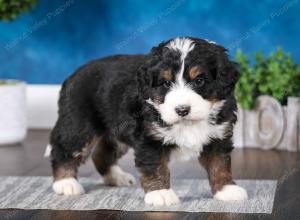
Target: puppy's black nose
183 110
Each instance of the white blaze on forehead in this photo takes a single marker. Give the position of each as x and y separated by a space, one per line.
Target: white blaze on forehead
211 42
191 132
184 46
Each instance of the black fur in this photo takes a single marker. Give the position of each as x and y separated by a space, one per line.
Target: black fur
106 97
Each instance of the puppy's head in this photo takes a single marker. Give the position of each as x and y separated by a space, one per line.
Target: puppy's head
185 77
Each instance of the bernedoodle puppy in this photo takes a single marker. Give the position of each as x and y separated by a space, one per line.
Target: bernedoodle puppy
176 102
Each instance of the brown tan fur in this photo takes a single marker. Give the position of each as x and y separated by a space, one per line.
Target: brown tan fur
68 169
167 74
158 180
157 99
106 154
86 150
218 167
213 99
194 72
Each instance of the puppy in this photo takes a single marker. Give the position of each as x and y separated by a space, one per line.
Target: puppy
175 103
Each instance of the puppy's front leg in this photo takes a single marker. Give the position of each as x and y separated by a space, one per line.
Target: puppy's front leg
155 178
218 167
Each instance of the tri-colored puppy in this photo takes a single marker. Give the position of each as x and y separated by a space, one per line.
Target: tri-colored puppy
176 102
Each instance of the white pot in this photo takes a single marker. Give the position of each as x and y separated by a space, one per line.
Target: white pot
12 112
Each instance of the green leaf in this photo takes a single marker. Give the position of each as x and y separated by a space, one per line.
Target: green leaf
10 9
276 75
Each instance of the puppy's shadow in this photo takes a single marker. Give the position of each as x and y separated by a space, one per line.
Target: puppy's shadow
208 199
89 188
94 187
189 199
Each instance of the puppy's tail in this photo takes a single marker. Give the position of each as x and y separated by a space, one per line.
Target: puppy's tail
48 151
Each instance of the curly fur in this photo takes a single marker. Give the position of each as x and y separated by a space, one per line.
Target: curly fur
120 99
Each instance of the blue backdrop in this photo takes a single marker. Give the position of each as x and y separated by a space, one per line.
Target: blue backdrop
56 37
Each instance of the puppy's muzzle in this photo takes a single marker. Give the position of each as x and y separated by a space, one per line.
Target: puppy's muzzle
183 110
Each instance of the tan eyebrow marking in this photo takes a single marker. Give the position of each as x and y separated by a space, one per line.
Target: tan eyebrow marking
167 74
194 72
213 99
158 100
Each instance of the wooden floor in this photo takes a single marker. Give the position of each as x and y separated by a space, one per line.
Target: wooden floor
28 160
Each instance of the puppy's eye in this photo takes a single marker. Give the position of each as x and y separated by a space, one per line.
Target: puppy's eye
199 81
167 84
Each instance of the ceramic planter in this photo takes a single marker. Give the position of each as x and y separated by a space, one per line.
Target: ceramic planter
12 111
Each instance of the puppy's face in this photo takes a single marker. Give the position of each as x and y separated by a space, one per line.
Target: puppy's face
187 77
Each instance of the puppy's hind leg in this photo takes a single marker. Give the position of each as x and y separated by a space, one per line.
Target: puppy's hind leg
69 150
105 157
65 180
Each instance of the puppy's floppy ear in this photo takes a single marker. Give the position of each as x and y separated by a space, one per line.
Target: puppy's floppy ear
145 81
146 74
227 73
158 51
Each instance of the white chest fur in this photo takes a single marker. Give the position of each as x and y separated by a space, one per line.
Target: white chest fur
189 137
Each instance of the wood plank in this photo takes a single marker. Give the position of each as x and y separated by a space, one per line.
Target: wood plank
27 159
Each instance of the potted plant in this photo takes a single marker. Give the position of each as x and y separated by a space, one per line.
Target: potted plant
13 111
269 106
12 92
10 9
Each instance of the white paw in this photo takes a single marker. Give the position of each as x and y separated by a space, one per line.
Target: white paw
67 186
117 177
231 193
161 197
